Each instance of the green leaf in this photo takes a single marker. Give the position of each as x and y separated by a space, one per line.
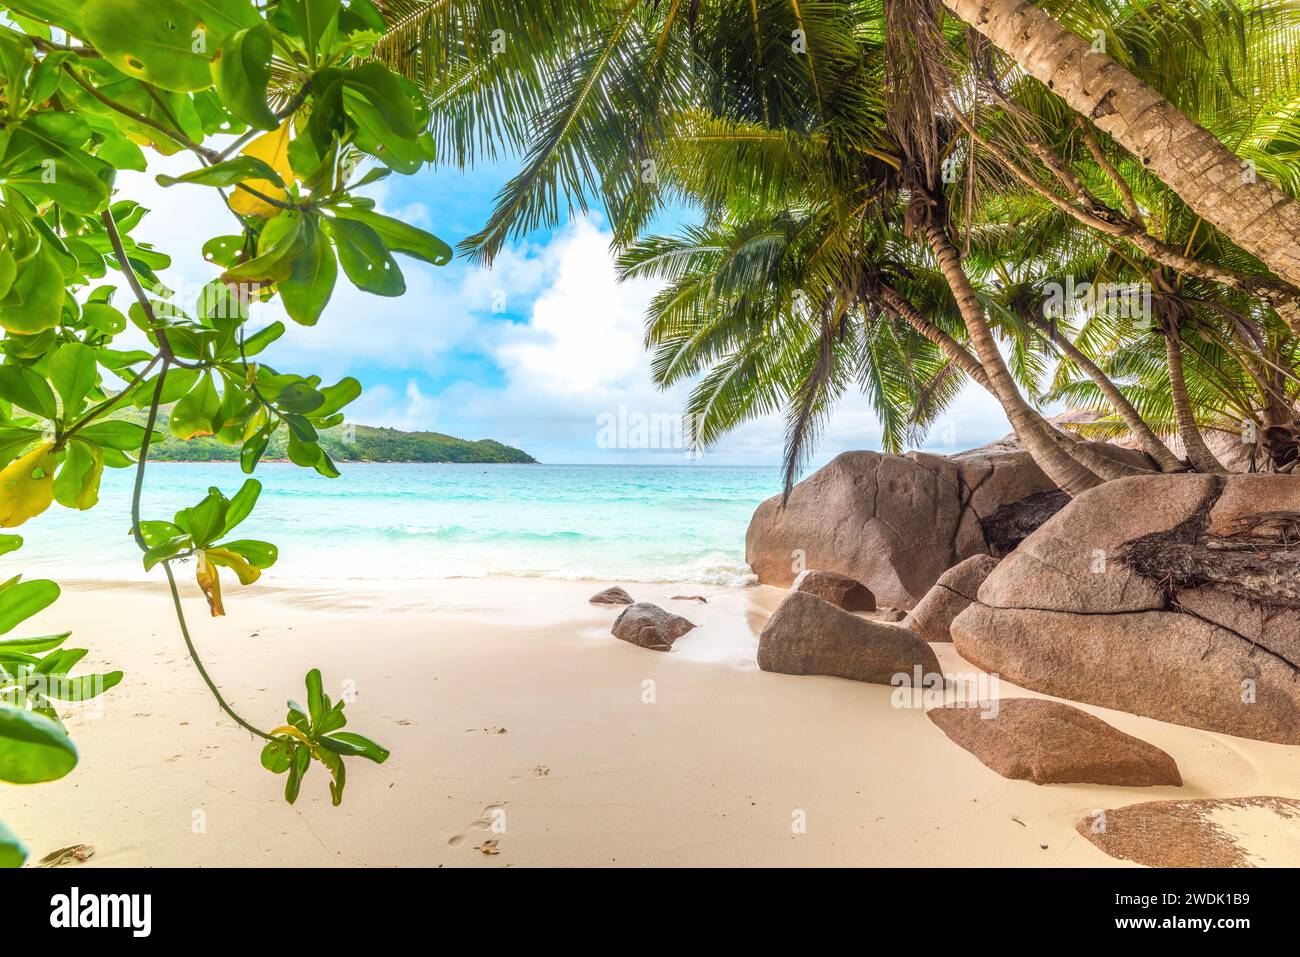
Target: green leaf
337 396
47 156
381 90
155 532
117 434
13 853
316 20
226 173
223 251
276 248
10 543
61 13
365 259
225 16
34 646
361 746
194 414
300 398
254 449
241 504
153 41
312 274
73 371
82 687
8 271
19 600
115 147
315 697
177 384
205 521
333 719
163 550
300 762
61 661
103 318
27 389
33 749
297 717
277 756
260 340
34 302
77 484
241 73
14 441
339 774
398 236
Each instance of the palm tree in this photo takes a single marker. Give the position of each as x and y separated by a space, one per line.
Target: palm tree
1140 230
786 311
838 117
1189 159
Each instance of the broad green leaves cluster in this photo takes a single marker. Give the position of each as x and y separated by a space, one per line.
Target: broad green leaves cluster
284 116
34 674
315 733
201 530
46 407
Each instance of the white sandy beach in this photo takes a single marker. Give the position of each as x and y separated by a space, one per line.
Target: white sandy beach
511 694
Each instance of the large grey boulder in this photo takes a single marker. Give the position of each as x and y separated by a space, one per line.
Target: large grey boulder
896 523
809 636
1171 596
955 589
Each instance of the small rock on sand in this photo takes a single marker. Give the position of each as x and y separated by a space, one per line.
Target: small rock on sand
611 596
649 626
848 593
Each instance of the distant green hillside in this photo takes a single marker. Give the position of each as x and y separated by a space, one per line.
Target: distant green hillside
360 443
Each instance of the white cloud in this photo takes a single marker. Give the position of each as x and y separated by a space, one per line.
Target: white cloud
577 351
581 355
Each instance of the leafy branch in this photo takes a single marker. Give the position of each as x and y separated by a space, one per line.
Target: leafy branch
78 109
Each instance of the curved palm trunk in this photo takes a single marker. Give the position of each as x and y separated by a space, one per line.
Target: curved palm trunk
1150 442
1032 431
1086 455
1189 160
1106 468
968 364
1198 452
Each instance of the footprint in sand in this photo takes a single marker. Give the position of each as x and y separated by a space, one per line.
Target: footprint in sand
491 814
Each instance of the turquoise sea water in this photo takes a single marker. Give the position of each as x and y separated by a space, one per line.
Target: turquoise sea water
396 522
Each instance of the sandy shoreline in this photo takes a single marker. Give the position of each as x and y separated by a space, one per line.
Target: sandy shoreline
714 771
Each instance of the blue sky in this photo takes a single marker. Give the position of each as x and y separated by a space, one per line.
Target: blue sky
533 352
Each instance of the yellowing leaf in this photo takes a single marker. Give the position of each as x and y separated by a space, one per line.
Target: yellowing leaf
27 486
247 572
206 575
273 149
